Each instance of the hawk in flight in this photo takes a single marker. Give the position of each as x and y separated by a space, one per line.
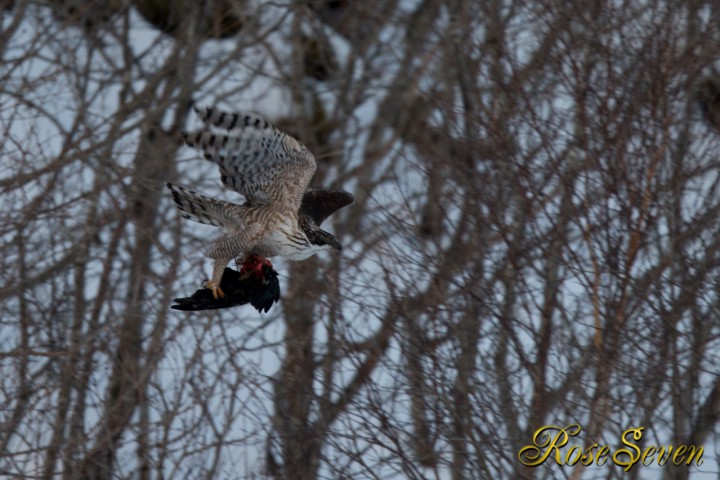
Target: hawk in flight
272 171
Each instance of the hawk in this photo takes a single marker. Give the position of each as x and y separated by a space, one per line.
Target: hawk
262 291
272 171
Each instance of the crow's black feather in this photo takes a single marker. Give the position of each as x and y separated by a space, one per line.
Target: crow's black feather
239 290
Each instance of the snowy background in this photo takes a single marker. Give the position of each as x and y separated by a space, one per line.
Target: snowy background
535 239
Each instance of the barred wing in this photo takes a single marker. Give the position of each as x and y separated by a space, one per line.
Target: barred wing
256 159
203 209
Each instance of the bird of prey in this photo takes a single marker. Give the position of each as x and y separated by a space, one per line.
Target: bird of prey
272 171
262 291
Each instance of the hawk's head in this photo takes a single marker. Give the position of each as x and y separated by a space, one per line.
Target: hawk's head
317 236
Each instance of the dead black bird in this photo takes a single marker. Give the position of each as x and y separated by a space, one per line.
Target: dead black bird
240 288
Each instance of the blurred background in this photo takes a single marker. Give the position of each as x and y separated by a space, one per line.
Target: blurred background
535 238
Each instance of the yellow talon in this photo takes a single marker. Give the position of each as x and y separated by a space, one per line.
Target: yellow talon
216 290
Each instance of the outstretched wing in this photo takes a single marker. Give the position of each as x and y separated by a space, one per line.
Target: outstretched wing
256 159
201 208
320 204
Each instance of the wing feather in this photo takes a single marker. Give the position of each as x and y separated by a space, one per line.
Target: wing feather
203 209
256 159
320 204
215 117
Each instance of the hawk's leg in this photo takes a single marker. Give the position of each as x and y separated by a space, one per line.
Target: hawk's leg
225 250
214 283
222 252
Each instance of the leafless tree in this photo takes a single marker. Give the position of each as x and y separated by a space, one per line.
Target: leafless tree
534 239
